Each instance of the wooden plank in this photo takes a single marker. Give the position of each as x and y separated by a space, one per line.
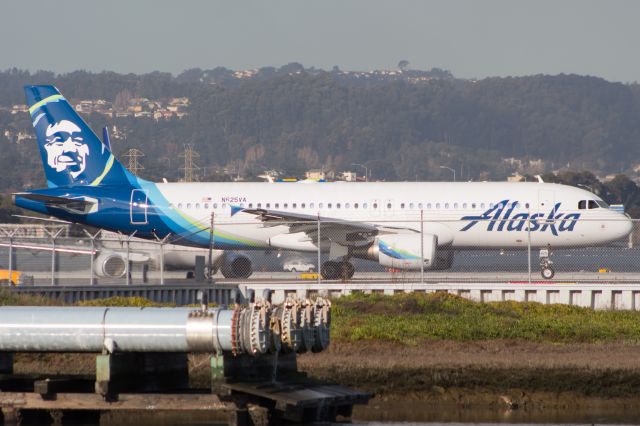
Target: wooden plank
299 395
92 401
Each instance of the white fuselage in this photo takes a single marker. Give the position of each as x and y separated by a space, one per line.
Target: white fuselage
463 215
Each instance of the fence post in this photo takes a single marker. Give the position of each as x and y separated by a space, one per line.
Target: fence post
92 280
211 243
319 270
422 247
53 256
162 243
128 268
529 245
11 255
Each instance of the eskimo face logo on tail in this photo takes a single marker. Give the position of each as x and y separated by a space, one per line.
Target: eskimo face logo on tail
499 218
65 148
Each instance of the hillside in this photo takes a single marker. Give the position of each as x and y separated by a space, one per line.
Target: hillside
403 126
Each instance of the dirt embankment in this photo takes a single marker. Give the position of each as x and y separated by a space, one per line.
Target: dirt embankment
463 372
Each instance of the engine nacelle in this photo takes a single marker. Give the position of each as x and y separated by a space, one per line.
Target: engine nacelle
402 251
110 265
236 266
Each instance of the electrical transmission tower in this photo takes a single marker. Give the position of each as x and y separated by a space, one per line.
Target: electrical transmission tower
190 167
134 165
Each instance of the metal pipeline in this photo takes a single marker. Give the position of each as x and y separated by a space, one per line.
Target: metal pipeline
254 329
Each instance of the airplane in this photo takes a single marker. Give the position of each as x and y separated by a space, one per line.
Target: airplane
400 225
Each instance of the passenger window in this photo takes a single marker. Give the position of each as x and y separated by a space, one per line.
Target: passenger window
482 205
250 205
188 205
302 205
206 205
464 205
375 205
411 206
355 205
285 205
364 205
428 205
402 205
337 205
224 205
311 205
526 205
347 205
197 205
259 205
473 205
328 205
582 204
179 205
320 205
277 205
593 204
455 205
389 205
215 205
437 205
420 206
446 205
268 205
294 205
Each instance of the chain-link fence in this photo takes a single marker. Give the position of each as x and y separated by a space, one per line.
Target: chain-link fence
418 251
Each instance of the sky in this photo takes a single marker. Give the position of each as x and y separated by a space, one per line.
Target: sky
471 38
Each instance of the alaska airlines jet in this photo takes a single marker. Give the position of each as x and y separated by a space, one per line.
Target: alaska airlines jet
378 221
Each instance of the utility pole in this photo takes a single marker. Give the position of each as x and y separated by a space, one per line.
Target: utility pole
190 167
134 165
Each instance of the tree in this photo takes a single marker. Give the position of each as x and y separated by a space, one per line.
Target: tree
403 64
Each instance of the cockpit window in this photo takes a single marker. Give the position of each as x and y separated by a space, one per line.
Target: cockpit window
602 204
593 204
582 204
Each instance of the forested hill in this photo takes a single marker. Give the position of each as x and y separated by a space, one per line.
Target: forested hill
402 126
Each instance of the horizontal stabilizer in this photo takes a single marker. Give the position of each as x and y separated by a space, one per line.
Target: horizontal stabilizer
76 205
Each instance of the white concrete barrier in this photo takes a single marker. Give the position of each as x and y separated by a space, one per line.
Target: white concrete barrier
590 295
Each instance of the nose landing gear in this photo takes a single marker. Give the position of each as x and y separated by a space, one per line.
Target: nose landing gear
546 268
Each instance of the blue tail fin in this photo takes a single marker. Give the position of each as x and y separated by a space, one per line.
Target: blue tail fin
71 152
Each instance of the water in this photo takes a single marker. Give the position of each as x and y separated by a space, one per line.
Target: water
416 412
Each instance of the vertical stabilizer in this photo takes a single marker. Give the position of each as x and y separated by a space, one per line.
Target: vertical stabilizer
71 152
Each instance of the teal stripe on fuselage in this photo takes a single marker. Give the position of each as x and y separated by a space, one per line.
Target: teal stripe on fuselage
180 226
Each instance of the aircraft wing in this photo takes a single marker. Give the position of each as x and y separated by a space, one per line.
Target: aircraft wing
341 231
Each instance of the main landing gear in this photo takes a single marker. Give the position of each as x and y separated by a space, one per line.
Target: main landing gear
546 268
334 270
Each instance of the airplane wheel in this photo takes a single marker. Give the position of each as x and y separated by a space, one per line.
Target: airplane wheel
347 270
330 270
547 273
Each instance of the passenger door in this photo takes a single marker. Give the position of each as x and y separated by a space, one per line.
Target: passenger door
138 207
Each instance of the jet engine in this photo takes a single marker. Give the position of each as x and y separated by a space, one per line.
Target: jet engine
110 265
403 251
236 266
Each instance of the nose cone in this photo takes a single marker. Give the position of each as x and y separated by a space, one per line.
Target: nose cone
623 226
